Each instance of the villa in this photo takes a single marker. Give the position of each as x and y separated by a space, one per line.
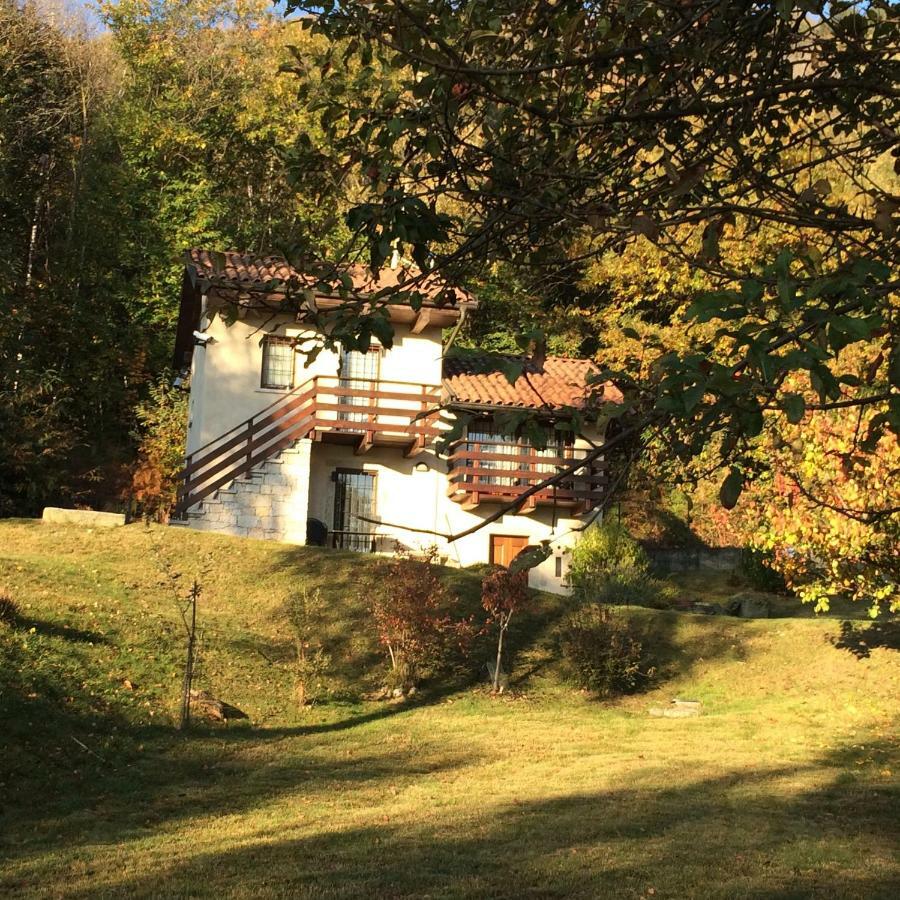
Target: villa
343 449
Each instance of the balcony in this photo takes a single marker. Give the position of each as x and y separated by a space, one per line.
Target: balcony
361 412
367 413
499 472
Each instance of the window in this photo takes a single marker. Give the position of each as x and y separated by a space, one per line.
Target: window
277 363
485 438
354 496
358 371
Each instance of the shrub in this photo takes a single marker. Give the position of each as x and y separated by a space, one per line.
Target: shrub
163 420
610 566
503 593
603 653
637 591
311 661
421 639
9 610
755 566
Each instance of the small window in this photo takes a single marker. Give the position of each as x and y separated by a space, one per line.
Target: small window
277 363
559 567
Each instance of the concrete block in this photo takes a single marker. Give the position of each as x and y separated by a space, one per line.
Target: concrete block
87 518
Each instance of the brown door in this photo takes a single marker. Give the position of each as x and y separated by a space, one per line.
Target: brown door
505 548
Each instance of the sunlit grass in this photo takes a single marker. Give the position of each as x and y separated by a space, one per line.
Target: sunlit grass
785 786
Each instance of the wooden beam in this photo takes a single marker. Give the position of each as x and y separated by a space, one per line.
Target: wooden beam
414 447
364 445
423 320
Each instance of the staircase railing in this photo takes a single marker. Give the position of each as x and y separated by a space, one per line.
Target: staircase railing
359 407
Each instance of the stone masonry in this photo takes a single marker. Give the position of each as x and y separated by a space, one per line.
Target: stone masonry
270 502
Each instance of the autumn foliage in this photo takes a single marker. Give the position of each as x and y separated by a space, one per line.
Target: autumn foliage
829 513
412 621
163 421
503 593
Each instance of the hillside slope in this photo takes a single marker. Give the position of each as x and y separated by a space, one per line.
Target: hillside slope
785 786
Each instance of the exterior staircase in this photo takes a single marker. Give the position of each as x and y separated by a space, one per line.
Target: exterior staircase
361 411
268 501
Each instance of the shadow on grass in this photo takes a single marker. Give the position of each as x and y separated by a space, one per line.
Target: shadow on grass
735 835
860 641
738 833
67 754
52 630
347 631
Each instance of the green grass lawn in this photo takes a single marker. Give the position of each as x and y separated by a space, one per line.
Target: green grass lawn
786 786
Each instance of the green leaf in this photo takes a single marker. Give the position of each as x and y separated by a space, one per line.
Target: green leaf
512 369
530 558
692 396
794 407
893 372
731 489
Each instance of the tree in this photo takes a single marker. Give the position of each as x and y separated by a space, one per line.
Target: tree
503 593
163 423
826 511
55 347
117 152
311 662
545 137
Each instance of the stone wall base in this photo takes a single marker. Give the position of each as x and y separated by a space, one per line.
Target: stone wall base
271 502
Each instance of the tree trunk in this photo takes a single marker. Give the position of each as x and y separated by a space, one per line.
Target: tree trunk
189 662
504 624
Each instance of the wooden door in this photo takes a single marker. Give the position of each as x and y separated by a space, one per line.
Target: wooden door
506 547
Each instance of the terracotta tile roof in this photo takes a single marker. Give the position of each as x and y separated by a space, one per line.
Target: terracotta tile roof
479 380
245 271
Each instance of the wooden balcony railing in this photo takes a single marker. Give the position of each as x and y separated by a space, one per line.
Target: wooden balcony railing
364 411
485 471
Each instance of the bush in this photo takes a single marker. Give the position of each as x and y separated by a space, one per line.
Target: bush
610 566
421 639
755 566
636 591
9 610
606 550
603 653
163 419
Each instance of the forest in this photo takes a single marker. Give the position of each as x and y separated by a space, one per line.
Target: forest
743 292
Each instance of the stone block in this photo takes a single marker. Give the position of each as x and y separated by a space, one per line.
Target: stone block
86 518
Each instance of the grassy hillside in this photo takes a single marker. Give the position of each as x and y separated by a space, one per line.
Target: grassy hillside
785 786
